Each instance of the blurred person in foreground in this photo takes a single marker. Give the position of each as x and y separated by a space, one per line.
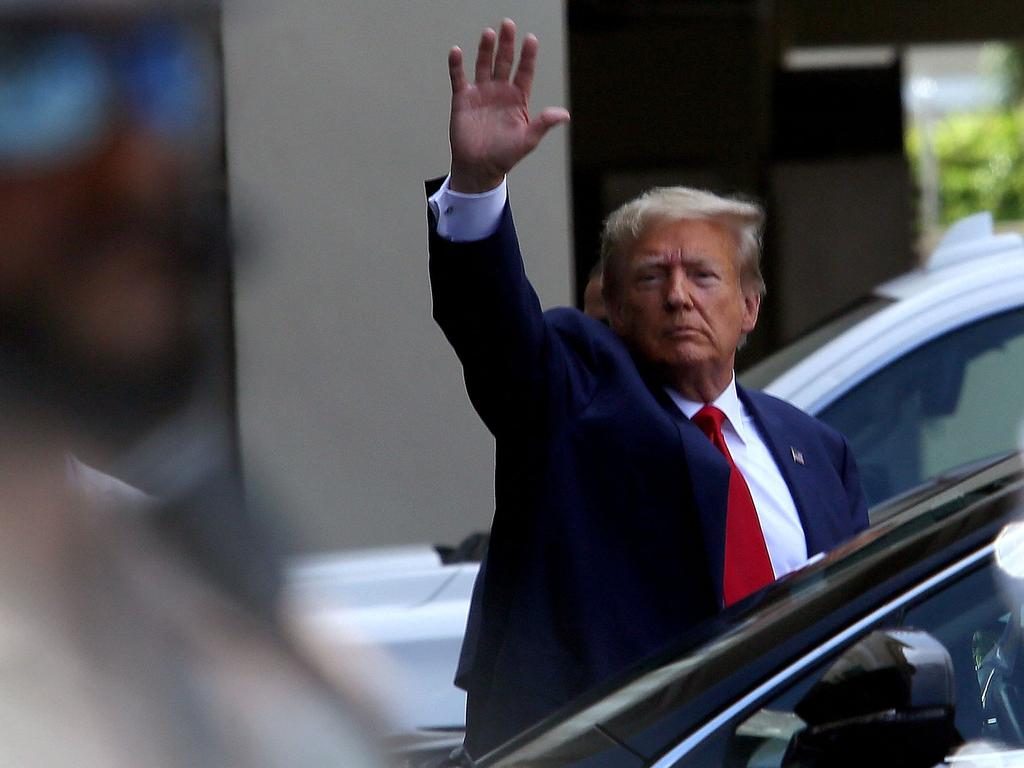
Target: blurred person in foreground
638 488
134 628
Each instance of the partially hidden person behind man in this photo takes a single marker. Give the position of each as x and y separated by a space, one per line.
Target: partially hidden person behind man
638 488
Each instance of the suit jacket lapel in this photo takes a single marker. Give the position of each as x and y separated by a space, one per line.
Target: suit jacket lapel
709 478
790 453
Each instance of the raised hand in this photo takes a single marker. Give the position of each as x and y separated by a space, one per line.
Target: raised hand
491 129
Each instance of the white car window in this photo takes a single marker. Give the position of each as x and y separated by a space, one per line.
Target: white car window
951 401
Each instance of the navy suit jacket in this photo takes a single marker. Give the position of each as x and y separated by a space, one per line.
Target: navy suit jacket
609 527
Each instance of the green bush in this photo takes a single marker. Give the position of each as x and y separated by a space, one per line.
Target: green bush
980 159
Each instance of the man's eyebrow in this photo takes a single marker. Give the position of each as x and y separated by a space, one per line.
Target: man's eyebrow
652 258
660 258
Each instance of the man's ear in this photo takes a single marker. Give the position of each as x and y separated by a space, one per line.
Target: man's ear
613 310
751 308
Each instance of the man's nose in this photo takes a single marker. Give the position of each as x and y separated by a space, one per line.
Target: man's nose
677 295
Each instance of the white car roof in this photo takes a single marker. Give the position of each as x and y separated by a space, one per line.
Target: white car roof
973 273
968 245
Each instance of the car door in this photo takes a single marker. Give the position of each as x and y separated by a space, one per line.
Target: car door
972 608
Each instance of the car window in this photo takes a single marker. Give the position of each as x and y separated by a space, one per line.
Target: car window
977 620
956 399
971 618
761 375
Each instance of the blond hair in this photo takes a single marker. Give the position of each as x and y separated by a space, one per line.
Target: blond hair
625 225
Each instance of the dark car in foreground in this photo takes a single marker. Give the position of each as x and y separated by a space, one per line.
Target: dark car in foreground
905 648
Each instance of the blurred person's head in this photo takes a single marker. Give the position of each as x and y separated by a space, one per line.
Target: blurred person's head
110 207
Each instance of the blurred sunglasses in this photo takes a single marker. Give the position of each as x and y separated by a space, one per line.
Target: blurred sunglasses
62 92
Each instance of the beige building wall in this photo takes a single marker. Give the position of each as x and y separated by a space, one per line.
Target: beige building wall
354 419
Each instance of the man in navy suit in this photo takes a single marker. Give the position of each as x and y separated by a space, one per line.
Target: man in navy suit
639 490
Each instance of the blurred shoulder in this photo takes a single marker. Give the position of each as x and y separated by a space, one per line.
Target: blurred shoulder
102 490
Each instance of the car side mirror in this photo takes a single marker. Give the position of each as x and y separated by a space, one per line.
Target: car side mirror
888 701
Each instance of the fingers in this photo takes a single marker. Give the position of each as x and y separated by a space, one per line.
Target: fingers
545 121
527 63
485 56
506 50
552 116
455 71
495 57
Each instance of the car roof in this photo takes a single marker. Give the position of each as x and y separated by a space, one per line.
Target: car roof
969 241
974 273
644 709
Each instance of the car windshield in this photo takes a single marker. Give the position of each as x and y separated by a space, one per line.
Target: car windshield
671 693
765 372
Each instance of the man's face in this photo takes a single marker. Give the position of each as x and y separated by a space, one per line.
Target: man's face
89 254
109 213
679 303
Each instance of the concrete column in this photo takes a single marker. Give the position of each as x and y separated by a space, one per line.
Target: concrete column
352 407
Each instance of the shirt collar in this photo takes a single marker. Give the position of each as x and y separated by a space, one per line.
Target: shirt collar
728 403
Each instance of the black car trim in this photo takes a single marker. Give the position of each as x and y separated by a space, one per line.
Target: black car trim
816 655
970 511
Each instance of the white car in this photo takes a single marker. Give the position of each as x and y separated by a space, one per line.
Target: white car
925 374
404 600
922 376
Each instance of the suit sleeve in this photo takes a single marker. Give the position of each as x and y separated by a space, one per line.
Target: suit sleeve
489 312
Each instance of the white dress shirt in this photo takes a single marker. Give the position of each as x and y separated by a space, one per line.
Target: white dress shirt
463 217
776 511
467 217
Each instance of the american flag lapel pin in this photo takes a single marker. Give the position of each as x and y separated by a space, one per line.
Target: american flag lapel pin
797 456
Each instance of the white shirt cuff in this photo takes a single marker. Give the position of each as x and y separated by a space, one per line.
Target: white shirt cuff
463 217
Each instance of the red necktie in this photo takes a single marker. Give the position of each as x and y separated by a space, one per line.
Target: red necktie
747 565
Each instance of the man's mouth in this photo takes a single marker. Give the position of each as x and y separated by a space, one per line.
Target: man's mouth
682 332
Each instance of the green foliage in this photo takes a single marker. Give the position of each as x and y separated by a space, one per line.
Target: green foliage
1012 73
980 158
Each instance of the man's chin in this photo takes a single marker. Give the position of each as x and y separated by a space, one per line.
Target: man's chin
688 357
694 367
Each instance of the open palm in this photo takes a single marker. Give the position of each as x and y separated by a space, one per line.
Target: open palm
491 129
